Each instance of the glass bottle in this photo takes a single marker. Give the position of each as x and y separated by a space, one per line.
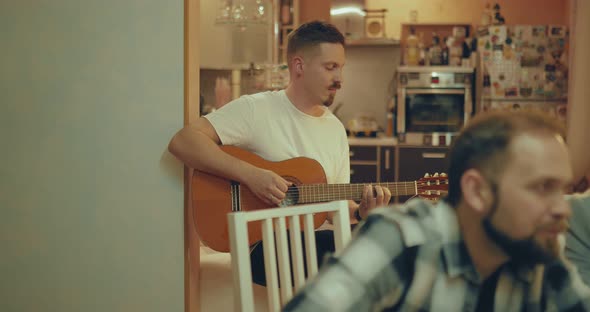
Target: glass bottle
435 51
412 52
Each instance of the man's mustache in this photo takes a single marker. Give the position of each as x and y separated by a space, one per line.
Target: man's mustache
559 226
336 85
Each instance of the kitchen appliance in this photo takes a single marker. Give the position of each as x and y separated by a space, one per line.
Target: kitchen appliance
523 67
433 103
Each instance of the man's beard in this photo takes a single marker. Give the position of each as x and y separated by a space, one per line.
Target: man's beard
524 252
328 102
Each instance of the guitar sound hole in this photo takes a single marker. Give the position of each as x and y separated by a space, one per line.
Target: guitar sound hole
292 196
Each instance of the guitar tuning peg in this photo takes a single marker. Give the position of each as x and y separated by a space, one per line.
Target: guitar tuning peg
427 175
435 175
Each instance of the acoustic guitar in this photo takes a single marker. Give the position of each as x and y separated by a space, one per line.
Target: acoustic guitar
214 197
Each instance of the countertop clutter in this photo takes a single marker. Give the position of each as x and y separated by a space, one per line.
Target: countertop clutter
378 141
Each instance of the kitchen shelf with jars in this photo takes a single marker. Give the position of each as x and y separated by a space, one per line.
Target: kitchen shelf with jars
425 44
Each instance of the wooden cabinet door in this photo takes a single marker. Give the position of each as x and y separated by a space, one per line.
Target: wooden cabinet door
387 164
363 164
363 173
310 10
414 162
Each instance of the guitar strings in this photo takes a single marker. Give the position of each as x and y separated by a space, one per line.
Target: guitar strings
308 191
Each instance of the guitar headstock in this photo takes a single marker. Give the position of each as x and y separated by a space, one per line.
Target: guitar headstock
433 186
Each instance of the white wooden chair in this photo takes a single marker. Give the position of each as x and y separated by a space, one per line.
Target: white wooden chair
240 251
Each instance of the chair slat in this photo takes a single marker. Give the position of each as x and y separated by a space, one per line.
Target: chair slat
283 257
270 265
296 252
310 248
240 262
341 220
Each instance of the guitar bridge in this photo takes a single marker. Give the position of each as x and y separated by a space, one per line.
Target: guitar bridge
235 196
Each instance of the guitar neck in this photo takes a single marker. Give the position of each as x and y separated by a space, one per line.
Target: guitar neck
314 193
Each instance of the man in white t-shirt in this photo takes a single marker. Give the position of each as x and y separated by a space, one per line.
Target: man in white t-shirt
280 125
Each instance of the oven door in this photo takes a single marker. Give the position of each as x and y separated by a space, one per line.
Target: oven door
432 109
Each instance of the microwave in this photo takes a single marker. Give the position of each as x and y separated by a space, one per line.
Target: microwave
432 101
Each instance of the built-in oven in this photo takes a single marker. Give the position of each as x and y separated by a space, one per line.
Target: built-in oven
433 103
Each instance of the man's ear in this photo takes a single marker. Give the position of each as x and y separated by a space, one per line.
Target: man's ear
297 63
476 191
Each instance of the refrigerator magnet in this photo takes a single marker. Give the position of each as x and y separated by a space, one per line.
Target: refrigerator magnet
556 31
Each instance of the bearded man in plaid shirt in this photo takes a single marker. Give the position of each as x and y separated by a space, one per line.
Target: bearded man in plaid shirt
495 243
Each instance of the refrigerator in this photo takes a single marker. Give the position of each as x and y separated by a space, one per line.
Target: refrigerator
522 67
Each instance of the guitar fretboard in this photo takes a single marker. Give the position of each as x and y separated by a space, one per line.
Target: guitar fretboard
313 193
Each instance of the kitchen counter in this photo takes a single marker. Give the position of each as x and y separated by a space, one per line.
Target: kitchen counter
379 141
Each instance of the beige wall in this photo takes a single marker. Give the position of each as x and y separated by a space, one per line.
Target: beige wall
468 11
367 85
579 110
91 203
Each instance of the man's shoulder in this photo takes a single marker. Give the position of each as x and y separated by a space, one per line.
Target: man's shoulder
580 201
418 220
265 96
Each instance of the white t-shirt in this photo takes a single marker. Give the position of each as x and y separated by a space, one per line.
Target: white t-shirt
269 125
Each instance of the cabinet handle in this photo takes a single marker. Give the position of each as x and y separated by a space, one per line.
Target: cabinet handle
351 171
350 153
387 159
433 155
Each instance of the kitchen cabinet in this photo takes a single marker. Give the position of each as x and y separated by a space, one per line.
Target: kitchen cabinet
372 163
311 10
293 13
364 164
387 164
288 20
415 161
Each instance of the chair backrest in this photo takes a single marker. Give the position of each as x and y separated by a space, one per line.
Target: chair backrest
240 251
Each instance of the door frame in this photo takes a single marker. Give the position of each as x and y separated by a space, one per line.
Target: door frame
191 113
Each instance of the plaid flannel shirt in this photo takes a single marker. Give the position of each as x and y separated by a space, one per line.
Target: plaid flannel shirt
413 258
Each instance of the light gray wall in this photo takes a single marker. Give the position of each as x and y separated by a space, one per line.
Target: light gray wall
90 202
368 82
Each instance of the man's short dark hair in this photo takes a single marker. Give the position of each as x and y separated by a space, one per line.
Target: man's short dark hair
311 34
483 144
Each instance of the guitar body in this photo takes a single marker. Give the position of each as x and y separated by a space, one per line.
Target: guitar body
214 197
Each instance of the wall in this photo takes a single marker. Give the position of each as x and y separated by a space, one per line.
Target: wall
367 85
91 203
579 108
468 11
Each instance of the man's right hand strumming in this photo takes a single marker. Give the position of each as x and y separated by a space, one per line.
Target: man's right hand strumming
267 185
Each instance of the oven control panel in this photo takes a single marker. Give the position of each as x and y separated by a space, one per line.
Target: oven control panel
435 80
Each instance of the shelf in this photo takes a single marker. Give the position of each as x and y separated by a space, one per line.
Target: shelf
372 42
428 69
524 99
436 24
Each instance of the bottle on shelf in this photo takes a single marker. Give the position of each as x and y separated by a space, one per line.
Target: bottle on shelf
411 56
423 57
435 51
445 52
